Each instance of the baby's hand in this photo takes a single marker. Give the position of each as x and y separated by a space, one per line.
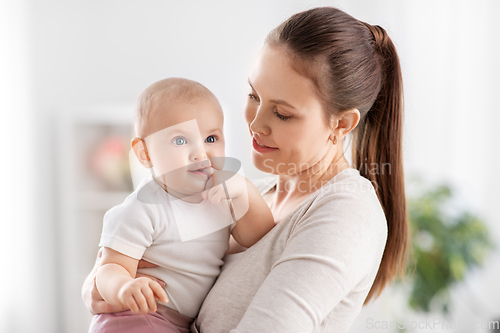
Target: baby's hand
141 294
235 186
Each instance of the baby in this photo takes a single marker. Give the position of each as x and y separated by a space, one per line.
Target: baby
180 218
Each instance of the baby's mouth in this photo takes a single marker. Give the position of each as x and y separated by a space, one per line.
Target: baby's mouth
206 171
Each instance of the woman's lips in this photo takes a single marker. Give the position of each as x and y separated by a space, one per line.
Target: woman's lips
262 149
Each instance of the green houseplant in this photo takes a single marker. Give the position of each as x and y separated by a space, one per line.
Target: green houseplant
447 243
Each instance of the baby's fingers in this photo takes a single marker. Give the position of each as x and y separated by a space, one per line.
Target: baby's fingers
159 292
204 195
150 298
142 303
132 305
216 194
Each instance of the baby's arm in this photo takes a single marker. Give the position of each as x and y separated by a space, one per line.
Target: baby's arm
116 283
254 218
256 222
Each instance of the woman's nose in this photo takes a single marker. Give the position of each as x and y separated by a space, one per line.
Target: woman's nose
259 123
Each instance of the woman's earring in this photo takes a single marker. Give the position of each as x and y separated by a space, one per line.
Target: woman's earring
334 140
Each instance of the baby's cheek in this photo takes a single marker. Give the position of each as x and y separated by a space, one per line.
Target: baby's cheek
169 161
218 162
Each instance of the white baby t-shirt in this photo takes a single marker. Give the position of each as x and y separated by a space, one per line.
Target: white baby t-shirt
187 241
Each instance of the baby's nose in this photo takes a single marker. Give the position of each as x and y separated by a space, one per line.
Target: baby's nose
199 153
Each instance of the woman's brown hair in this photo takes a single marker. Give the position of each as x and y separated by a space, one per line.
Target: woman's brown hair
355 65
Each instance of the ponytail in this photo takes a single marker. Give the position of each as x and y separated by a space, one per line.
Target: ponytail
377 154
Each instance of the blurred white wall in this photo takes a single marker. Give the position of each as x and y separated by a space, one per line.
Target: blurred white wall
62 57
18 241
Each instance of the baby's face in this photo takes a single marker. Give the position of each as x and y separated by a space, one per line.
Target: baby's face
183 151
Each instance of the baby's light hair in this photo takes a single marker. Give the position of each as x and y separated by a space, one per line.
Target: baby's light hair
160 94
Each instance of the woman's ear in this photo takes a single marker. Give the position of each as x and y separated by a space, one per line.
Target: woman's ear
347 121
141 152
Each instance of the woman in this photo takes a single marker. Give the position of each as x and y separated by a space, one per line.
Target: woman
341 232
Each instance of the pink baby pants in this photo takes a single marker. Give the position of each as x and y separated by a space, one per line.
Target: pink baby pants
164 320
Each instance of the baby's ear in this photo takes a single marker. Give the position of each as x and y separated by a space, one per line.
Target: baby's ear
141 152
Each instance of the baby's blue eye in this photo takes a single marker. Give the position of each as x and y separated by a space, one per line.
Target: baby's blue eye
179 141
211 139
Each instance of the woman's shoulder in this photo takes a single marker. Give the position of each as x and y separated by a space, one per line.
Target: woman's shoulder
350 201
346 209
348 183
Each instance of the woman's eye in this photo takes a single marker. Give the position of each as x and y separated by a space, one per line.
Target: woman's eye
211 139
280 116
252 96
179 141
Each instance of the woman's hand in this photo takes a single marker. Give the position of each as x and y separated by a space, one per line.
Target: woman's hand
146 264
93 299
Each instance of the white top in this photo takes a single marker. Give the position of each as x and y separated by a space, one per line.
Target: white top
310 273
186 240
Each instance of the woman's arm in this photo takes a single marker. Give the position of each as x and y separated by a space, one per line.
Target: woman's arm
330 252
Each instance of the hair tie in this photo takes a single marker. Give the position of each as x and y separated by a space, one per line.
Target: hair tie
378 35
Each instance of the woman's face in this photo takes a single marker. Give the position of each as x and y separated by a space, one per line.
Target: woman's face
284 114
